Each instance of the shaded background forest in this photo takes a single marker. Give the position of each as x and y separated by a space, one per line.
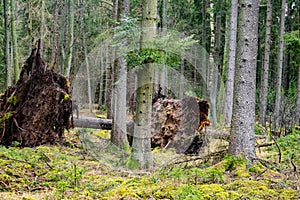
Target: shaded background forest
72 30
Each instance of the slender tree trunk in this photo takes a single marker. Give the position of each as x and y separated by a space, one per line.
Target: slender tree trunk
69 55
203 43
218 65
62 35
279 71
164 15
242 139
141 146
228 102
15 53
42 25
55 34
164 70
181 84
213 71
298 97
7 47
101 79
265 71
87 65
108 84
119 134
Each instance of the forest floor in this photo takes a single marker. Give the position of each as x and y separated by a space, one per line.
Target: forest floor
88 167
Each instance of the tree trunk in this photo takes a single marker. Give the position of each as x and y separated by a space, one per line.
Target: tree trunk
279 71
203 43
108 83
265 71
228 102
87 65
141 146
42 25
119 134
15 53
218 65
62 36
213 71
298 99
181 83
55 34
69 55
91 122
7 48
242 139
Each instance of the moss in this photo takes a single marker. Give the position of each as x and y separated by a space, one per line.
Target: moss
101 116
5 117
257 168
66 97
241 172
104 134
133 163
13 99
254 189
289 194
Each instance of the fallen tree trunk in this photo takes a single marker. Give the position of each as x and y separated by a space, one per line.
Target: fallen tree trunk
91 122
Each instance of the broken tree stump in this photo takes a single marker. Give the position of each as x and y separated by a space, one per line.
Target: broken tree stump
38 108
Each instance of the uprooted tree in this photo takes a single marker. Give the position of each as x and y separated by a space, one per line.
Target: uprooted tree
38 108
178 123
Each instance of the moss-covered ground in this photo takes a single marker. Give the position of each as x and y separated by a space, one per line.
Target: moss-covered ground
80 170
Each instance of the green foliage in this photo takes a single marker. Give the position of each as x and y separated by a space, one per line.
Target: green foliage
292 42
159 56
290 148
233 162
259 129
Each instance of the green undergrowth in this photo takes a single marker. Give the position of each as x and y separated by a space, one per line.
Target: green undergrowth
71 172
287 150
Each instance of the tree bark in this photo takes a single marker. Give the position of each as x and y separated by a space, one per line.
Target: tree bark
42 25
242 139
15 53
181 83
62 36
141 146
87 65
203 43
265 71
228 102
213 71
119 134
55 34
298 99
279 70
90 122
7 48
69 55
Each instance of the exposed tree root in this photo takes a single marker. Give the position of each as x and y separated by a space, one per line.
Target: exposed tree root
38 108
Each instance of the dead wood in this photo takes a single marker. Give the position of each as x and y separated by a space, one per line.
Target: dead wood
177 123
91 122
38 108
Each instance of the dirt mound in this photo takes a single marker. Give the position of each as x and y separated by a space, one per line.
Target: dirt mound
38 108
